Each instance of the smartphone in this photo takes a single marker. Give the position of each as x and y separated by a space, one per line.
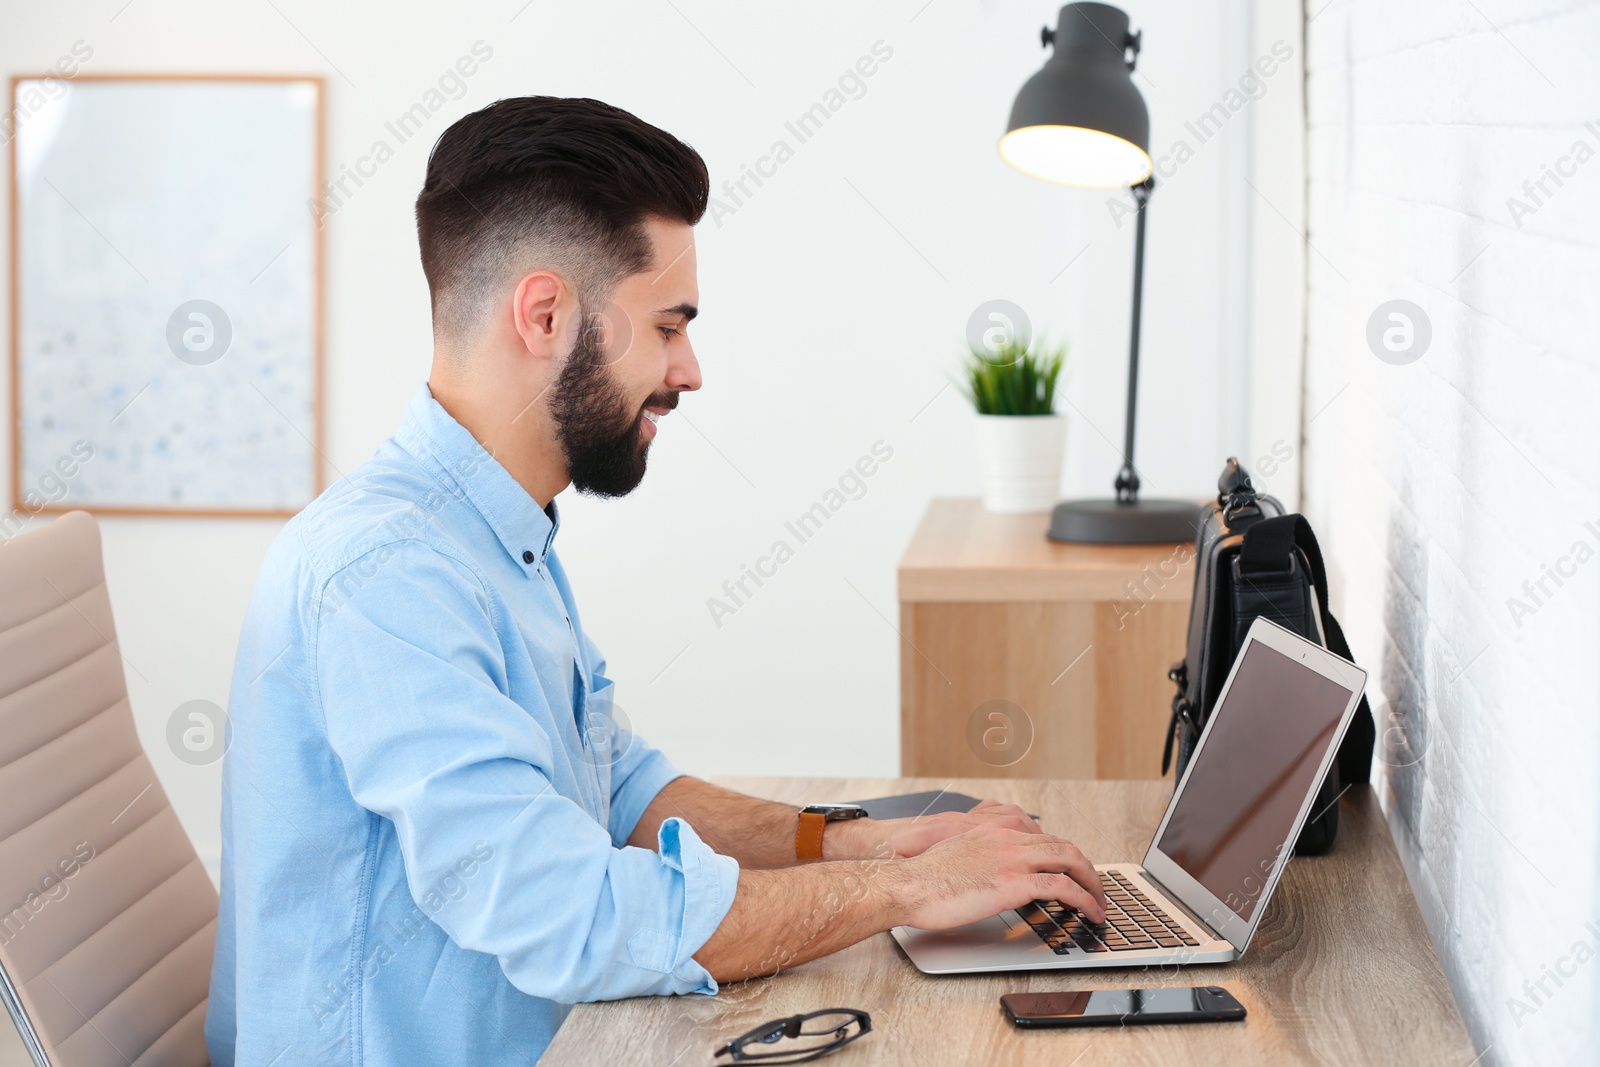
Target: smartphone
1122 1007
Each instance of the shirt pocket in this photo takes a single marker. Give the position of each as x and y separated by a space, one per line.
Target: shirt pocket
598 731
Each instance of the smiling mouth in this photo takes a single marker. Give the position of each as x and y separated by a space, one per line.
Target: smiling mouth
653 411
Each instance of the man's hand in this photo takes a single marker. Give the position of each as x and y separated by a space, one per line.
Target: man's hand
991 869
884 838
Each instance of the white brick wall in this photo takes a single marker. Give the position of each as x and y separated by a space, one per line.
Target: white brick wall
1440 487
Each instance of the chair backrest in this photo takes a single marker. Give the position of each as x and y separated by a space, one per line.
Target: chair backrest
107 917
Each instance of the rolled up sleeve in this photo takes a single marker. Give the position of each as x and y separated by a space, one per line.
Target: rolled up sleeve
638 771
638 775
412 690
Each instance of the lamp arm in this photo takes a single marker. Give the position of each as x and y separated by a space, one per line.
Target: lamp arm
1127 483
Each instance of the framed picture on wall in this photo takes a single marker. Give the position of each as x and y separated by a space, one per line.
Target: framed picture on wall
166 294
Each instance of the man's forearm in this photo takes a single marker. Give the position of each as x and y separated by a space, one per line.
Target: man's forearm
779 917
783 918
758 833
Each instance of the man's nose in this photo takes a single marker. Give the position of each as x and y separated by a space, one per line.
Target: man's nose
684 373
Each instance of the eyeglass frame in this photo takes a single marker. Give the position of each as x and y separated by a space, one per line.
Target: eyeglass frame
789 1027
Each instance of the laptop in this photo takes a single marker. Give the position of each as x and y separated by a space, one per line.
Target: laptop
1227 834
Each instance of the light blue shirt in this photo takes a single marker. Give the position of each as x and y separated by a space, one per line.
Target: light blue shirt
426 798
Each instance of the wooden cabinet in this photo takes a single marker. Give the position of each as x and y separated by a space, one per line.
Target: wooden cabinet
1030 659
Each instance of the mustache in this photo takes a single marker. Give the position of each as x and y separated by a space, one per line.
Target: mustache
668 400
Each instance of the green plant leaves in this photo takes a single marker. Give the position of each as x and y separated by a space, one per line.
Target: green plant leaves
1013 380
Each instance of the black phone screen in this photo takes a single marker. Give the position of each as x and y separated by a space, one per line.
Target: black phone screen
1116 1007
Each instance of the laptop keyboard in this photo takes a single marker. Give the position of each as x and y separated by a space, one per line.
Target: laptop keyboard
1133 922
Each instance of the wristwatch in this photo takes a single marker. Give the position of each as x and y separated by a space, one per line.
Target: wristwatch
813 818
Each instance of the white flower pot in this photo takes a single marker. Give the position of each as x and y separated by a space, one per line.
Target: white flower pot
1020 457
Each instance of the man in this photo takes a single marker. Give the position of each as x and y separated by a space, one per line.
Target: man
434 836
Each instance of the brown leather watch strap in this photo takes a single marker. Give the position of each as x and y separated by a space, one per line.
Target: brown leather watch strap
808 836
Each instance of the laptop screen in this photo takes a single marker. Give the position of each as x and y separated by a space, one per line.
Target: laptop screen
1247 783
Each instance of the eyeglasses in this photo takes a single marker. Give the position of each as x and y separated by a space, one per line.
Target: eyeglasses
807 1037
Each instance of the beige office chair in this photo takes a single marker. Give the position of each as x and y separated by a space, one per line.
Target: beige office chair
106 916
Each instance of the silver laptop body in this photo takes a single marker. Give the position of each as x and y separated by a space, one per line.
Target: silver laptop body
1227 834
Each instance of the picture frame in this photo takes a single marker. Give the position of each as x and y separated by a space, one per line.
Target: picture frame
166 294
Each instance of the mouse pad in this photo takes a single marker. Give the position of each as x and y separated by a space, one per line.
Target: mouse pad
910 805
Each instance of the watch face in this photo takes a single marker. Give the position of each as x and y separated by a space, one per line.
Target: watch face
832 812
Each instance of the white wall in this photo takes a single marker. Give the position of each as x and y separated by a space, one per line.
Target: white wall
1272 378
835 302
1442 486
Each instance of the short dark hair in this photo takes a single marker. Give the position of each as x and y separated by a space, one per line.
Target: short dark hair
543 182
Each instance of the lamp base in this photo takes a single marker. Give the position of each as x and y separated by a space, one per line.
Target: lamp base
1109 522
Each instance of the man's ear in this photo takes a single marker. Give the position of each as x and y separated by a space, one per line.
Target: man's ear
544 311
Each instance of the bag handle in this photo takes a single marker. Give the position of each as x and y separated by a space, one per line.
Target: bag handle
1180 711
1267 547
1236 495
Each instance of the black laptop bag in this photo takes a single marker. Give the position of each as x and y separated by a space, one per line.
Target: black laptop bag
1253 560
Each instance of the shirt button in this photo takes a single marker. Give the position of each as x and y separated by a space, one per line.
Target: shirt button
527 556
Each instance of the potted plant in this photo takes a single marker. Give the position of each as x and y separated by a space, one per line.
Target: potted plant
1020 437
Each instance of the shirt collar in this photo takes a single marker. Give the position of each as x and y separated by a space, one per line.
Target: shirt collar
466 469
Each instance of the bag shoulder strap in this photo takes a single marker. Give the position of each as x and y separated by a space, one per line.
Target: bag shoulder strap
1267 545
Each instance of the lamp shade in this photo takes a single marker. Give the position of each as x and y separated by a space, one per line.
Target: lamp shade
1080 120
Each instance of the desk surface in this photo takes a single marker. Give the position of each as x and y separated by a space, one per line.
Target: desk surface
1340 972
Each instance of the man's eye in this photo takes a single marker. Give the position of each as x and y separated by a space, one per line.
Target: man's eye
669 331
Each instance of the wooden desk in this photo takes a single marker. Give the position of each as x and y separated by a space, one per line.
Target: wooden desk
1340 972
1026 658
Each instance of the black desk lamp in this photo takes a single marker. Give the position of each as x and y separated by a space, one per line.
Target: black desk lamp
1081 121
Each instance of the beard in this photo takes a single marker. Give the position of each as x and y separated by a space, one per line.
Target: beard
599 431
